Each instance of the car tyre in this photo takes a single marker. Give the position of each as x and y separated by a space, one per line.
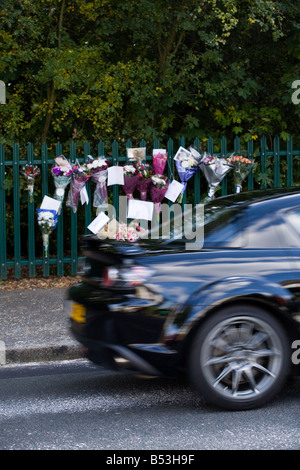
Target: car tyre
239 358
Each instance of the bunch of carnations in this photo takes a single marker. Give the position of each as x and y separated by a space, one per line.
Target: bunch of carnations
98 168
62 174
242 167
131 178
30 172
80 175
47 221
158 189
145 171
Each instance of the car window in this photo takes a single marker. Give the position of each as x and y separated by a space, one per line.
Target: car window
263 230
293 219
291 227
222 227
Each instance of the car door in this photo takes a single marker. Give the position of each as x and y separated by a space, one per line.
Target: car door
290 236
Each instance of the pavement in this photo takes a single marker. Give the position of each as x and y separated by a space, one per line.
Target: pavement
34 326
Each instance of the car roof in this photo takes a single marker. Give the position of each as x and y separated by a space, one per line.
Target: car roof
256 196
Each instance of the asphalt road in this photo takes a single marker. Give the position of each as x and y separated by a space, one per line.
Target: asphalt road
75 405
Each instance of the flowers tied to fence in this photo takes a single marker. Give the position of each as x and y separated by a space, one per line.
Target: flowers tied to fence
131 177
158 189
47 221
145 171
80 175
98 168
62 174
141 176
215 169
126 233
159 159
30 172
186 165
242 167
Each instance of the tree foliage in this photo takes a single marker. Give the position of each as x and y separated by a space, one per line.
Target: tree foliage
147 68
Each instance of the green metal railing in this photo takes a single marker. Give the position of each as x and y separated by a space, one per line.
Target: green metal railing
280 163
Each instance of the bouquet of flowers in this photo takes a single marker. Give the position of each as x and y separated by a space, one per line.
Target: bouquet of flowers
187 165
159 161
214 169
131 177
98 168
80 175
242 167
62 174
145 172
158 189
126 233
47 221
30 172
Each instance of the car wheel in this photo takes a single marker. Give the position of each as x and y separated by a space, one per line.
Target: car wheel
239 358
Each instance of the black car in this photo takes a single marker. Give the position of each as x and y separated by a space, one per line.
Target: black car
226 314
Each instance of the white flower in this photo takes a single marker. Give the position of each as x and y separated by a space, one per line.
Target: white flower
188 161
158 180
97 163
45 215
129 169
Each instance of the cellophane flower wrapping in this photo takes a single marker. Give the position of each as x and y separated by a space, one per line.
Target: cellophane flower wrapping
62 177
131 178
30 172
186 167
242 167
98 168
145 171
80 175
214 169
158 189
47 221
159 159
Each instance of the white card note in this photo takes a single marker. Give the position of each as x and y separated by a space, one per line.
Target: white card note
115 175
98 223
140 209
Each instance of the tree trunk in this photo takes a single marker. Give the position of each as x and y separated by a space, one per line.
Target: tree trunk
51 94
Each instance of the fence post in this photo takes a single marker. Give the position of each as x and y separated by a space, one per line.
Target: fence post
263 157
170 158
74 239
276 162
289 175
101 148
44 155
16 198
197 190
223 154
87 209
60 222
128 146
250 155
3 271
115 158
31 220
181 143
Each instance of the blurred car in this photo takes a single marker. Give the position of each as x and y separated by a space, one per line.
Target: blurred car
226 315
